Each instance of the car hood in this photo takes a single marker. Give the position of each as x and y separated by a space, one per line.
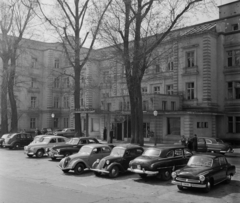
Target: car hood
37 144
113 158
77 156
142 160
188 171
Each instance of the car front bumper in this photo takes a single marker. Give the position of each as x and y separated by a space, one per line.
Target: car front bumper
55 155
143 171
183 184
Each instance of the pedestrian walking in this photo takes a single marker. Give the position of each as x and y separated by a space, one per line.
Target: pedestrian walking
105 133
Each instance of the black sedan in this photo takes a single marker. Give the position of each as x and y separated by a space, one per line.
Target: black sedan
71 147
160 161
204 171
118 161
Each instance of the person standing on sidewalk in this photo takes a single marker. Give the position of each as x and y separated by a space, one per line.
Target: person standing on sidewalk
195 143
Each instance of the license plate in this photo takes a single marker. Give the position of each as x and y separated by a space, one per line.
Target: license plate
186 184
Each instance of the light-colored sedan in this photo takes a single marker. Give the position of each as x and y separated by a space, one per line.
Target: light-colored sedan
39 148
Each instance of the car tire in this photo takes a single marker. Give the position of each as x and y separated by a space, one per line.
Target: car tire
29 155
97 174
79 168
39 153
114 172
166 175
16 146
65 171
143 176
180 187
208 187
229 178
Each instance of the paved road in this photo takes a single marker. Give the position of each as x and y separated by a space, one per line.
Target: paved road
31 180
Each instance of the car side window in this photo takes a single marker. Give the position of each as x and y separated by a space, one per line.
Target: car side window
222 161
53 140
23 136
201 141
61 140
127 153
178 152
139 152
91 141
106 150
208 141
96 150
216 162
83 141
170 154
18 136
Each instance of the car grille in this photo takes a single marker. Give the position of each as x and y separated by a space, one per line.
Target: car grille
101 164
188 180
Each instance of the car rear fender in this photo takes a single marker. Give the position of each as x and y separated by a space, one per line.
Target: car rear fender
75 162
115 164
231 170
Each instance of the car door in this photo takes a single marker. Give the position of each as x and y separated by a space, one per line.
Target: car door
179 160
105 151
52 142
223 168
202 146
95 154
216 170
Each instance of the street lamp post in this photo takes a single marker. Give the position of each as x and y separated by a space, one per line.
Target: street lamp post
53 115
155 113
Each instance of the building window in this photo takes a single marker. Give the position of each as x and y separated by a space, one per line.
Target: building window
106 78
56 63
124 91
33 82
190 59
202 124
34 62
173 126
56 102
56 83
173 106
66 102
144 90
127 105
169 89
33 102
95 125
164 105
32 123
109 105
170 66
157 68
233 90
66 82
233 58
234 27
156 90
190 91
146 130
65 122
81 102
145 105
55 123
234 124
120 106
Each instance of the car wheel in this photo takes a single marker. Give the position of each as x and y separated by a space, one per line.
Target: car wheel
39 153
97 173
65 171
143 175
208 187
15 146
180 187
114 171
229 178
29 155
79 168
166 175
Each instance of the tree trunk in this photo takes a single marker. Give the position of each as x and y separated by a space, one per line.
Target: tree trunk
4 116
14 115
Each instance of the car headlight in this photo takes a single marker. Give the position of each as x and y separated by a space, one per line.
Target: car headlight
174 174
107 162
202 178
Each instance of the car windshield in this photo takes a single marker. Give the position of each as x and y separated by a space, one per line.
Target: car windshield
196 161
64 130
38 139
85 151
152 152
219 141
117 152
73 141
45 140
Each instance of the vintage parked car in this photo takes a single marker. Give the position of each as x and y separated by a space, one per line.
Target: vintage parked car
71 147
17 140
66 132
2 139
216 145
84 159
204 171
160 161
117 162
38 149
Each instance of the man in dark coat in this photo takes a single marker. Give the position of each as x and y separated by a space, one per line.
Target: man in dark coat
195 143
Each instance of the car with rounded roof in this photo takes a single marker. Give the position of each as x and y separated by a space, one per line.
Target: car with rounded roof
84 159
66 132
160 161
38 149
118 161
17 140
204 171
2 139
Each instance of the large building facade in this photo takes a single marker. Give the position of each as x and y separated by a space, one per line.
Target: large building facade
193 89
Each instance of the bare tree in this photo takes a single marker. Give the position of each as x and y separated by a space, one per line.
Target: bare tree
15 16
69 21
137 29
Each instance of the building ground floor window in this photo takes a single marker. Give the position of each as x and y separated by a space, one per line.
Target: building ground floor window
234 124
174 126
